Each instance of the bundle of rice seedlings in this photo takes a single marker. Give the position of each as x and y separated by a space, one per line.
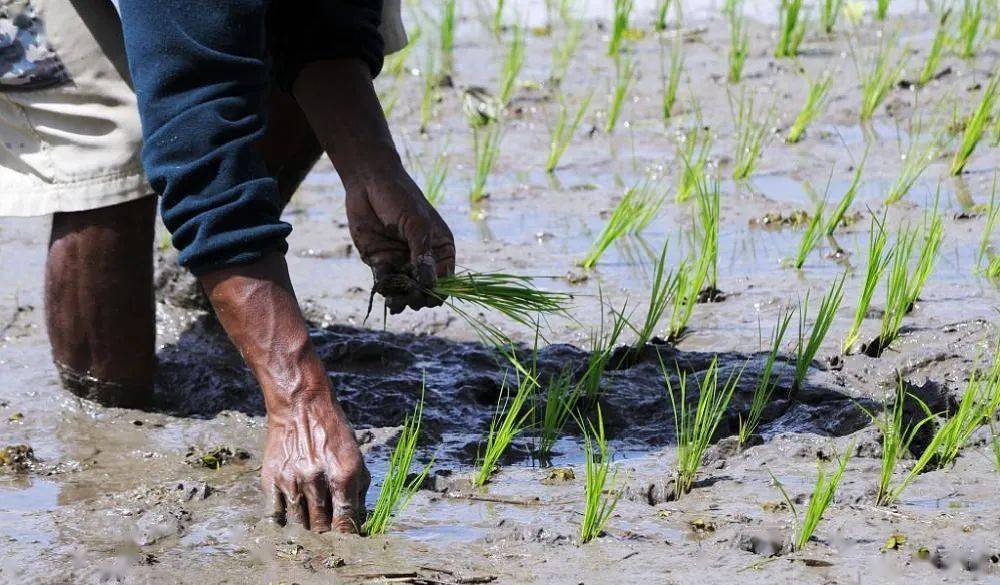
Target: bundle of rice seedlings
896 440
631 216
602 345
664 287
848 198
881 9
691 276
693 151
896 295
512 65
977 124
878 260
791 28
708 219
878 76
396 488
563 131
672 77
662 10
811 236
486 150
624 75
695 427
447 31
829 11
751 134
979 404
822 497
926 259
764 389
515 296
509 420
816 99
739 46
969 23
619 24
561 397
930 68
599 479
805 350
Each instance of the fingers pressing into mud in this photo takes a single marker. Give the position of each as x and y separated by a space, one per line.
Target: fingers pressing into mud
317 504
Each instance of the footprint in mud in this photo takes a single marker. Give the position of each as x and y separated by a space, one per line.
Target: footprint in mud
378 376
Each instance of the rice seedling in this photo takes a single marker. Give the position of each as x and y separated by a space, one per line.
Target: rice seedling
878 260
708 219
896 296
896 440
599 478
395 64
849 195
811 236
486 150
691 276
693 151
514 296
602 345
512 65
739 46
979 404
564 50
926 259
816 99
881 9
829 11
791 28
995 444
976 126
509 420
429 93
969 23
447 32
695 427
664 287
435 177
672 77
624 75
622 13
918 156
397 488
805 349
751 135
564 130
662 11
878 76
826 487
561 397
632 215
992 213
497 22
930 68
765 386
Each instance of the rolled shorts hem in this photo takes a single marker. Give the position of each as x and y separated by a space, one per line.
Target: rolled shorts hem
83 195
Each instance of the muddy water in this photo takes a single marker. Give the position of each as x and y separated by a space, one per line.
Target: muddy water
114 495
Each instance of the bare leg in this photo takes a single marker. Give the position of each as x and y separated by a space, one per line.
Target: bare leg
99 303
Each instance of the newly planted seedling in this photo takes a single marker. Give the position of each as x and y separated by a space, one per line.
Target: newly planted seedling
849 195
563 131
509 420
632 215
695 425
926 259
918 156
878 74
811 236
969 27
992 213
896 295
708 219
624 75
816 99
435 177
693 150
826 487
931 64
563 51
977 124
664 287
512 65
881 9
751 135
622 13
497 23
599 479
791 28
691 277
514 296
878 260
602 344
672 77
805 349
979 404
764 389
397 487
739 46
829 11
486 149
447 32
561 397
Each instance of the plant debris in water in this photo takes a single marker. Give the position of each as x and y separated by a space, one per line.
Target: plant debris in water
215 457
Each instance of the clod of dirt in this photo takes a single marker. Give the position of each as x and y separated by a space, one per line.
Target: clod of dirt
761 544
161 522
216 457
17 458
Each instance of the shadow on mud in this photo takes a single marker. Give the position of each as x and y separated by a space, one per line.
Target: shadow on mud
378 375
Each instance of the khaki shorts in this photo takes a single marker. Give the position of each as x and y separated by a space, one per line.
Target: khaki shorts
69 125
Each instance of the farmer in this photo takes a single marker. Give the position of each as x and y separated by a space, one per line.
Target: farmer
237 100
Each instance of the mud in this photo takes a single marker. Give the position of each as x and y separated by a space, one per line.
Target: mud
170 494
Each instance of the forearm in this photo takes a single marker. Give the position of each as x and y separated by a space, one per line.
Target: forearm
256 305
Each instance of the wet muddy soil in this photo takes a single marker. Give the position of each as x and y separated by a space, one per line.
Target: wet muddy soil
170 494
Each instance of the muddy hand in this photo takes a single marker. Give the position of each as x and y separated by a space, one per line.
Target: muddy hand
403 238
313 472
